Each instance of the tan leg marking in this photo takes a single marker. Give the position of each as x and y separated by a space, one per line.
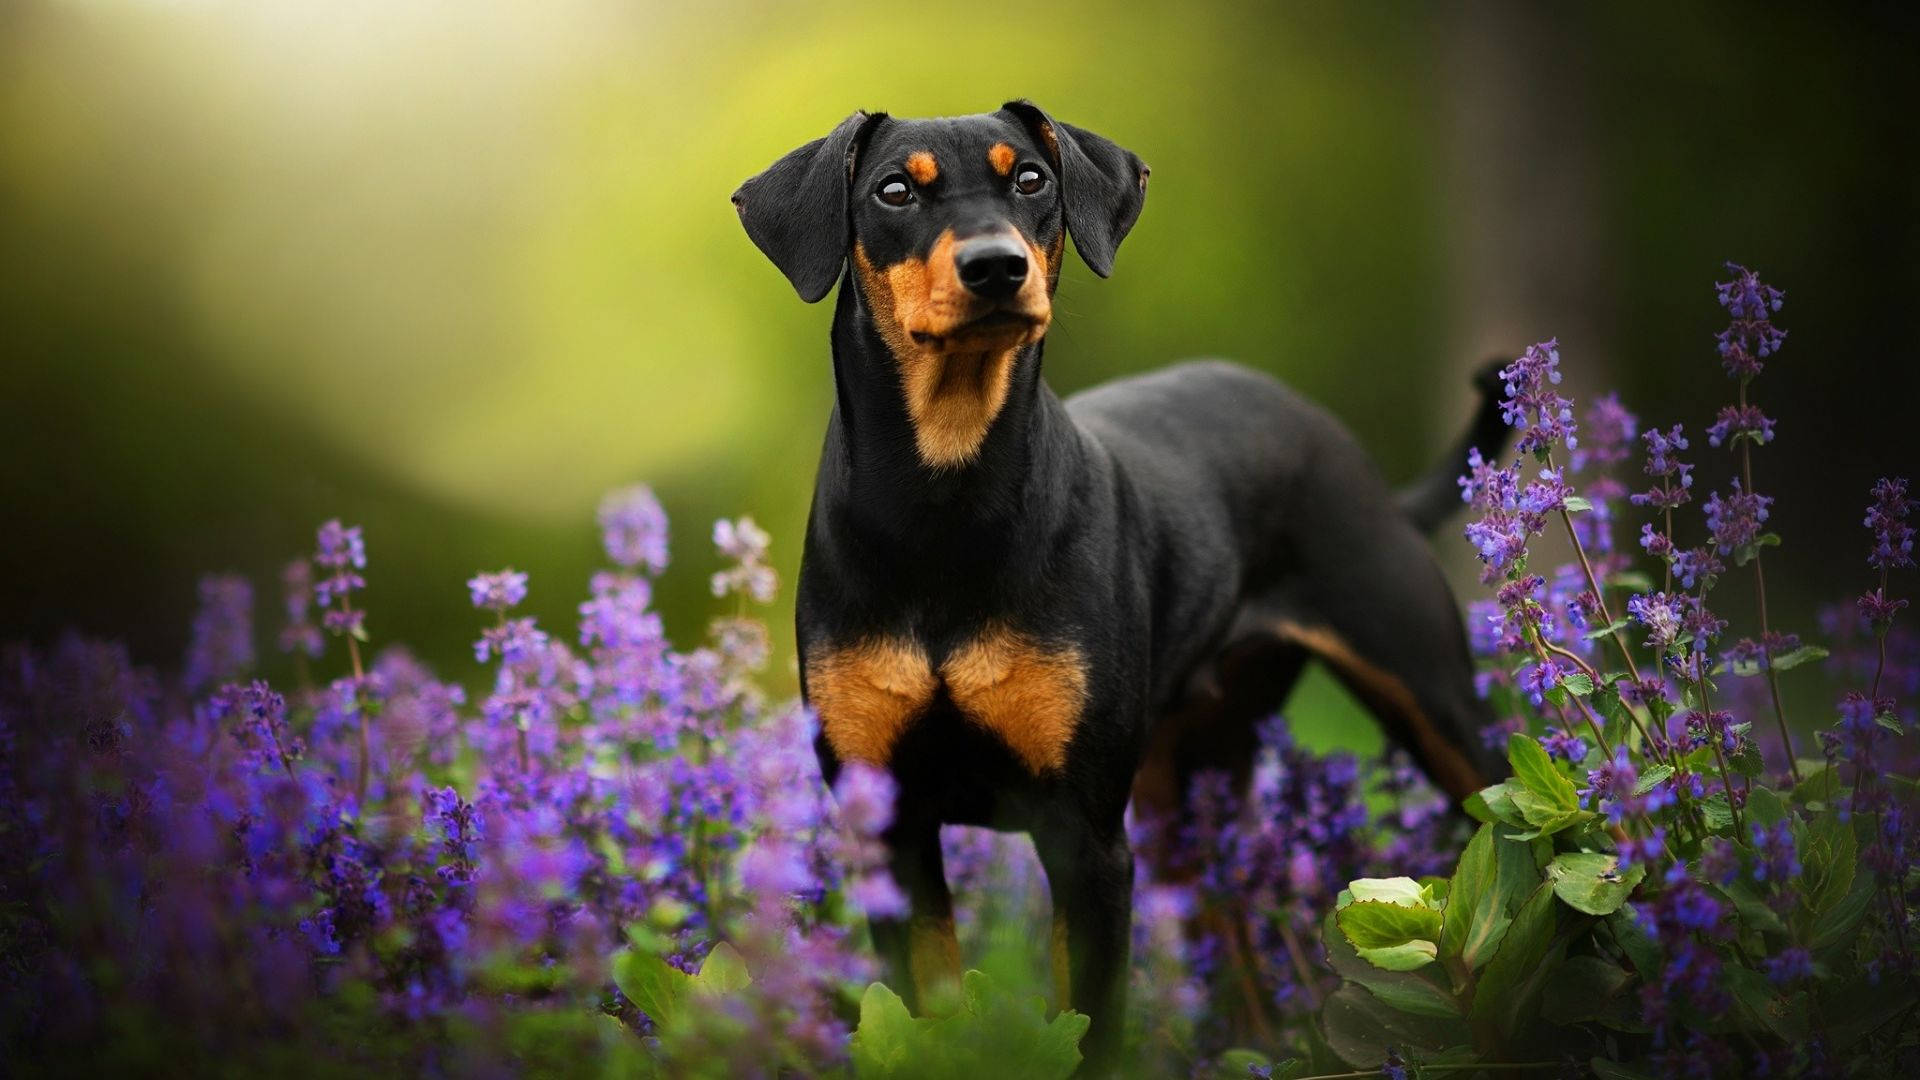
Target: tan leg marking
923 168
955 375
1385 692
867 694
1027 694
933 960
1000 156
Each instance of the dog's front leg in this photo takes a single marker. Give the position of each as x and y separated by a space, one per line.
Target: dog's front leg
920 951
1090 875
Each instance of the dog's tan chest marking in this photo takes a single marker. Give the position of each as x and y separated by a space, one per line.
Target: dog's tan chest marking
867 694
1027 694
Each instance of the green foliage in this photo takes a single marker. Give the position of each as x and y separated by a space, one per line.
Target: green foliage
995 1032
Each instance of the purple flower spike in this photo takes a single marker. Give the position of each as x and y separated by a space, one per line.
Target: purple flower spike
1735 520
498 592
222 644
1542 416
1887 517
1751 337
634 528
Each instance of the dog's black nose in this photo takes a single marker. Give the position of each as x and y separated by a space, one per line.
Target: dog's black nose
993 267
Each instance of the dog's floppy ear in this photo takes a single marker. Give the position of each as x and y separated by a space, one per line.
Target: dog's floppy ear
1102 185
796 211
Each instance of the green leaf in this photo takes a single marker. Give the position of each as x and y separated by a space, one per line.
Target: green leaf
1535 771
1513 877
1410 956
995 1032
1890 722
1764 806
1473 877
1787 661
1641 950
1360 1028
1577 684
723 972
1509 988
1613 1070
1592 882
1759 1006
1613 627
656 986
1652 778
1827 852
1235 1065
1835 926
1586 988
1381 924
1631 579
1576 504
1393 890
1408 991
1716 812
888 1039
1495 803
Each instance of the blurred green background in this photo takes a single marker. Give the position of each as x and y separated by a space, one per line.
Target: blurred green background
452 270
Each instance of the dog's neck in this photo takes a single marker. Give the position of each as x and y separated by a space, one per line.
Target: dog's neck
878 450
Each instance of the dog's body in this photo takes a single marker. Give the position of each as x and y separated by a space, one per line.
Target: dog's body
1032 610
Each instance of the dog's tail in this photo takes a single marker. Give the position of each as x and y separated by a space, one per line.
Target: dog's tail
1429 501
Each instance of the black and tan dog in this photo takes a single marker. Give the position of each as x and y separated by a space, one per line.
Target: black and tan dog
1031 609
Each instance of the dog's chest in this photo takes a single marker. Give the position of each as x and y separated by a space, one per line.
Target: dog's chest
1027 694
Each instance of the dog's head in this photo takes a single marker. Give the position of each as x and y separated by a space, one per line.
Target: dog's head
955 229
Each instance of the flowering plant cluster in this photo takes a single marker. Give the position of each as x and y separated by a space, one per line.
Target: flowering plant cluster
1676 880
596 852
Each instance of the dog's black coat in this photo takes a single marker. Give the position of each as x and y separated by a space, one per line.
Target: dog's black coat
1190 537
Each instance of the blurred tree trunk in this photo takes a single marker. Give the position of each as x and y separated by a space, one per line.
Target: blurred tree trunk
1525 235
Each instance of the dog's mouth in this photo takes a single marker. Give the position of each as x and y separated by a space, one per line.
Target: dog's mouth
997 326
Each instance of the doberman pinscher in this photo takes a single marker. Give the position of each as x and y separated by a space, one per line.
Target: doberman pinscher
1019 605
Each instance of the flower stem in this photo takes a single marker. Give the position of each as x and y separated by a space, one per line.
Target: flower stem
1760 592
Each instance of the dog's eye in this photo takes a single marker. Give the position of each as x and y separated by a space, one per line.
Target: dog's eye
1030 180
894 191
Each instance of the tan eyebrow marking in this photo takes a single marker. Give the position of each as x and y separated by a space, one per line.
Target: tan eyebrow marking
1000 156
922 167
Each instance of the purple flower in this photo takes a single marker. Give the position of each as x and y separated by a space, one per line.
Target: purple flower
299 635
746 544
498 592
1878 608
1697 567
1738 420
865 796
1672 476
1735 520
1643 850
1610 431
1538 678
1660 614
340 547
1887 518
1751 337
222 642
634 529
1775 858
1614 779
1793 964
1564 745
1542 417
1488 485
